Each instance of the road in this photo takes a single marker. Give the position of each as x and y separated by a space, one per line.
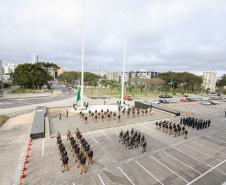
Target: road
6 103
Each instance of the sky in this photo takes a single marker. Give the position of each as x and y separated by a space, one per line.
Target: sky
162 35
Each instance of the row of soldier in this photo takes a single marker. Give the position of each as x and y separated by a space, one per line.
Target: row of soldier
81 151
109 115
171 128
132 139
195 123
63 153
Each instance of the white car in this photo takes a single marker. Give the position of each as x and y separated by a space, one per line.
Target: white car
154 102
173 101
206 103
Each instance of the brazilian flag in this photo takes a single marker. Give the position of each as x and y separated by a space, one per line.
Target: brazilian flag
79 94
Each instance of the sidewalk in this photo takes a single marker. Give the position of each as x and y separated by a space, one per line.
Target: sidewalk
15 111
30 95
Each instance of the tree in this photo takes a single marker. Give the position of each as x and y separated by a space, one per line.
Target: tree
31 75
222 81
187 81
72 77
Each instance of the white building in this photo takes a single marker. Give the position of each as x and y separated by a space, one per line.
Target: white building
9 69
209 81
1 70
112 76
126 76
142 74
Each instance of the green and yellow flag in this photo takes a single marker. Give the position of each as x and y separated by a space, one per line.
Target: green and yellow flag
78 95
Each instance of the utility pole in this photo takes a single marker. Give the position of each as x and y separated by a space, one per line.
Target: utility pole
124 63
83 50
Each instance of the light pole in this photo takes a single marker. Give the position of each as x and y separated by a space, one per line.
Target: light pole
83 49
124 63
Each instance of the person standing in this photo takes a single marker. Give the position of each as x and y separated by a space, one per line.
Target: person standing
90 157
144 147
87 105
83 165
185 134
60 116
65 163
67 113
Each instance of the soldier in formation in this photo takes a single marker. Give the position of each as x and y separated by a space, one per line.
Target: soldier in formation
109 115
132 139
195 123
79 147
63 153
171 128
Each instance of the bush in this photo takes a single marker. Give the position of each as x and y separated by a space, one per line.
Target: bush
3 119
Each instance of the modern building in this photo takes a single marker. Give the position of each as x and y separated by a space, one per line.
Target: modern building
112 76
1 70
9 69
209 81
56 72
126 77
142 74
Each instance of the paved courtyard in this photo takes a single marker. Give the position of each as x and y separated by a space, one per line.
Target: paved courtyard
73 122
200 159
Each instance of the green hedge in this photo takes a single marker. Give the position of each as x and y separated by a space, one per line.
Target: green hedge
3 119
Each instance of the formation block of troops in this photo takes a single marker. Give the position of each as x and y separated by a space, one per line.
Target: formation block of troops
80 149
62 152
132 139
171 128
195 123
110 115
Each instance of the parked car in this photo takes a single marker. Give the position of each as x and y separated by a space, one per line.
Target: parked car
128 98
163 101
172 101
206 103
183 100
154 102
165 96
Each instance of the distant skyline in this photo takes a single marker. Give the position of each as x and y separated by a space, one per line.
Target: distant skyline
173 35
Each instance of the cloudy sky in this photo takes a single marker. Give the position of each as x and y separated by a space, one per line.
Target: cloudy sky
163 35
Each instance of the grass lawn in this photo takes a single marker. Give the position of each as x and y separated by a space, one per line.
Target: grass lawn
21 90
116 93
3 119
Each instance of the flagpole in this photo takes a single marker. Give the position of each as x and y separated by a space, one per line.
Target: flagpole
124 63
83 50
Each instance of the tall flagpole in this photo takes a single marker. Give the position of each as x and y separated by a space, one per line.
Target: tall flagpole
83 49
124 63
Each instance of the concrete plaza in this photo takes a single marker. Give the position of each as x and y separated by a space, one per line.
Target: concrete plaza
200 159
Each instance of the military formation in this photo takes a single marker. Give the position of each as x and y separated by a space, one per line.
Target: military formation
80 149
171 128
108 115
62 152
195 123
132 139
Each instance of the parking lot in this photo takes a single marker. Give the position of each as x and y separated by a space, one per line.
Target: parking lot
200 159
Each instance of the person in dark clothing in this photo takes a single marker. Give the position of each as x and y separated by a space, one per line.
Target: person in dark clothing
83 165
65 163
90 157
185 134
144 147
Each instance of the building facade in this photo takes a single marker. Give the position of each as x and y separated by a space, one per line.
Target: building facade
133 76
56 72
1 70
112 76
209 81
